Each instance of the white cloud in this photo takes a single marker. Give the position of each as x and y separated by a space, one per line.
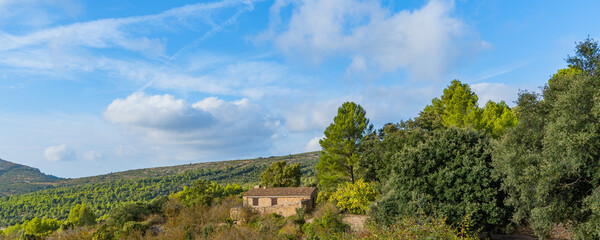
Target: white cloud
496 92
92 156
208 126
157 112
313 144
425 41
59 153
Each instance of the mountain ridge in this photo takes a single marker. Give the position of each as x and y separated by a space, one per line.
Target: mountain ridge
18 179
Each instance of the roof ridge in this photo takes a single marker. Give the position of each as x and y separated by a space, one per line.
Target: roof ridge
281 191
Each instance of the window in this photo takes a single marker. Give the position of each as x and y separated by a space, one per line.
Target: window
273 201
254 201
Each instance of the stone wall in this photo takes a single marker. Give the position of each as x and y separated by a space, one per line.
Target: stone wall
285 210
286 206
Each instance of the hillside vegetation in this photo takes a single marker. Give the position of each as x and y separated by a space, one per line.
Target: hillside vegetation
18 179
103 193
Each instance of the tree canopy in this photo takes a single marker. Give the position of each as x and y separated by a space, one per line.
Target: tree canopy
549 162
448 172
279 174
81 215
457 107
587 57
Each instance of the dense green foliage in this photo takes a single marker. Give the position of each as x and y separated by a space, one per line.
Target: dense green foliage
354 197
279 174
458 107
378 149
496 118
550 161
81 215
587 57
204 192
35 228
102 195
449 172
340 155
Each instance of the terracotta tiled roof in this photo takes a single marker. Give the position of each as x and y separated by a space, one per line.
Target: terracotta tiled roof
280 192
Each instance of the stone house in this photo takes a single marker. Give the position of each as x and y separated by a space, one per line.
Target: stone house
282 200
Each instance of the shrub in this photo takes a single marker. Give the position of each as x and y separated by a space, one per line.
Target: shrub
354 197
299 217
81 215
104 232
411 227
132 226
326 223
450 173
205 193
39 228
126 213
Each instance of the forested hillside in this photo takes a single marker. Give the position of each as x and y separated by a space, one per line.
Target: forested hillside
18 179
104 192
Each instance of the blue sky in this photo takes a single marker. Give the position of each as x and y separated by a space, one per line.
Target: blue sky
92 87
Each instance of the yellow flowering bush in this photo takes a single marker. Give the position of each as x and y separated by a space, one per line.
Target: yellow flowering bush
355 197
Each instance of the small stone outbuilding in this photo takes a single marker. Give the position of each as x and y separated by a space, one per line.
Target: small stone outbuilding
282 200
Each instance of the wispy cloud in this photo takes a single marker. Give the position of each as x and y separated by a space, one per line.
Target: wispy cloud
33 14
116 32
62 50
502 71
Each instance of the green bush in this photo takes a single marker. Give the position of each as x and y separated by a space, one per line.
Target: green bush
205 192
299 217
354 197
326 223
104 232
81 215
450 173
279 174
128 212
132 226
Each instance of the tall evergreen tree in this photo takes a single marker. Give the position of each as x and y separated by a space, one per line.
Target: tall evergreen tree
457 107
340 154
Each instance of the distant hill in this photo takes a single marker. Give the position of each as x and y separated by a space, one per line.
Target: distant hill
233 171
104 192
18 179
